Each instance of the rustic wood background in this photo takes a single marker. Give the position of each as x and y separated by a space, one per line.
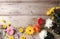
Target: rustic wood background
21 12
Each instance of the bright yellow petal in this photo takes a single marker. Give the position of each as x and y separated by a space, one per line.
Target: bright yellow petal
29 30
23 37
50 11
4 26
11 37
3 20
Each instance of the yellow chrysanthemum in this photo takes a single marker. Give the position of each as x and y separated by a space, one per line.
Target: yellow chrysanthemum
30 30
4 26
21 30
23 37
50 11
11 37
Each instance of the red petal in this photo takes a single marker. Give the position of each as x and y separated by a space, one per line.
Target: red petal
40 21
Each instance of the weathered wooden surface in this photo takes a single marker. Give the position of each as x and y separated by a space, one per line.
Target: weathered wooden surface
21 12
25 8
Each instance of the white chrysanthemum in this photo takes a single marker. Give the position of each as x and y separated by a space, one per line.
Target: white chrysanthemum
48 23
43 34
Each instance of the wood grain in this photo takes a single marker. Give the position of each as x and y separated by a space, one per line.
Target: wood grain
21 12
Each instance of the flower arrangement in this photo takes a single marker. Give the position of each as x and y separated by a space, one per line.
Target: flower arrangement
51 23
55 19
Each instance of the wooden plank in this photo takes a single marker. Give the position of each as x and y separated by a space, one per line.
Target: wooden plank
25 8
29 0
25 1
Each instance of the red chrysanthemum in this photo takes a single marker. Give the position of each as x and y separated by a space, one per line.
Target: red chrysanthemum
40 21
